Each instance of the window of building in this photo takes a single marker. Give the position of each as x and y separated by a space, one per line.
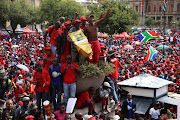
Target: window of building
178 7
149 8
160 8
154 8
137 8
172 7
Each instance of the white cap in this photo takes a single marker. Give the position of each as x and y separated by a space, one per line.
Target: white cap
107 84
20 75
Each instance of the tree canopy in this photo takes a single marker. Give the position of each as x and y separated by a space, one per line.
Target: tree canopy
149 21
3 11
120 19
52 10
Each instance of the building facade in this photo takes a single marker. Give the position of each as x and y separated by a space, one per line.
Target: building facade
154 9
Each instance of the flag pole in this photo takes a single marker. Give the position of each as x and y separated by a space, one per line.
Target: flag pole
164 10
142 11
164 33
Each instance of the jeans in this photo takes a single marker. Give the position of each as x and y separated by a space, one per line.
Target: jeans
53 48
59 91
40 96
113 91
46 96
69 89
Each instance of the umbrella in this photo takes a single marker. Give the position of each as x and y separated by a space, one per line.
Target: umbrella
128 47
15 46
136 43
23 67
102 35
163 47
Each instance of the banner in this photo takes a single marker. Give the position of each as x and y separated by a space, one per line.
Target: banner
81 43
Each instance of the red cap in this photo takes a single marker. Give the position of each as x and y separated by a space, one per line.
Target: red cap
77 21
82 18
67 23
47 48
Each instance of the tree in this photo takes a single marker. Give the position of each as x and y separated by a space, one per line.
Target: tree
21 12
120 19
177 23
158 22
3 13
52 10
149 21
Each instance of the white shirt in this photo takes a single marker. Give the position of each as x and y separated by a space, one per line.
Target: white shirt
154 113
171 39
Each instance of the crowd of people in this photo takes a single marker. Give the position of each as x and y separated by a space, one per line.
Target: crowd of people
52 70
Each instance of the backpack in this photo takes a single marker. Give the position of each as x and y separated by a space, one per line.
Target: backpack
51 31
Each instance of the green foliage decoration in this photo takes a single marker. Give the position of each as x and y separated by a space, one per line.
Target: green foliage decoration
92 70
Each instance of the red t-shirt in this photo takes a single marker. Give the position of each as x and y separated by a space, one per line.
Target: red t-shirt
103 53
54 34
47 63
117 65
83 97
82 27
18 91
60 116
40 79
70 74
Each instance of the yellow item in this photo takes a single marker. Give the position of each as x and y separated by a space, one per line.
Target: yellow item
81 43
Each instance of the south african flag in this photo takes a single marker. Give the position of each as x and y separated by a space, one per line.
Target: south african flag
165 5
152 53
147 35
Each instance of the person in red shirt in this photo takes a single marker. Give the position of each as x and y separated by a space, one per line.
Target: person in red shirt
48 58
60 114
31 88
103 52
114 76
18 92
53 31
63 45
68 70
42 80
86 99
83 22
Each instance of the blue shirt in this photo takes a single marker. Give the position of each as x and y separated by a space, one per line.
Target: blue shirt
55 74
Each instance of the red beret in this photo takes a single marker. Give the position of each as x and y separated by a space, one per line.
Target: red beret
67 23
20 103
31 80
39 63
47 48
17 83
30 117
77 21
92 118
102 45
91 16
82 18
